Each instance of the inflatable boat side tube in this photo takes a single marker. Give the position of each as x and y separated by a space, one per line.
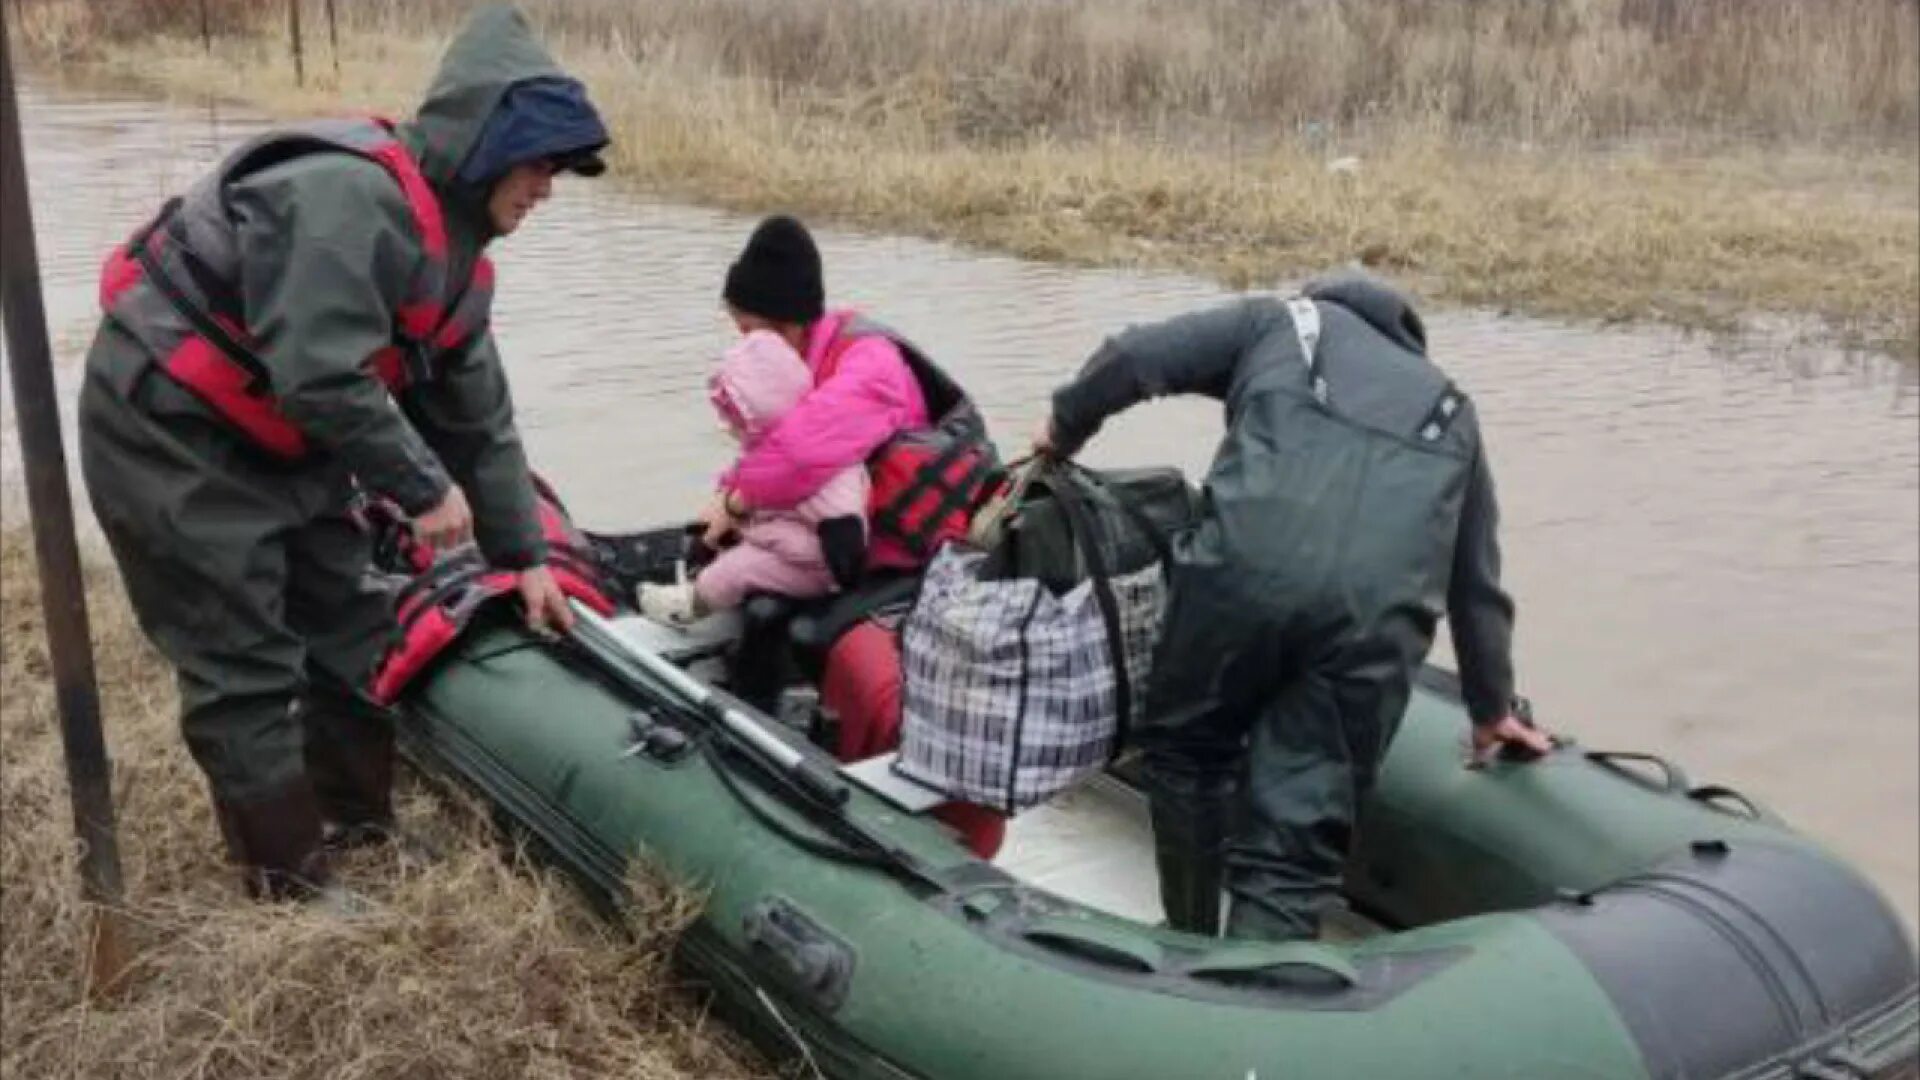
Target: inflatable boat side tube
1735 953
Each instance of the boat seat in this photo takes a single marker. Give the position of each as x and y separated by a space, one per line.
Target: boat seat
780 634
814 629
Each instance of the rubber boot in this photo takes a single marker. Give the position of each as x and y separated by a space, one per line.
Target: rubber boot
275 839
1256 919
350 759
349 755
759 664
1191 823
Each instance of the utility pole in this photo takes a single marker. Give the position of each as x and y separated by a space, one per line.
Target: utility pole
63 598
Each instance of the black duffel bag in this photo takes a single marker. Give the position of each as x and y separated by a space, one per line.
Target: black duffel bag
1133 513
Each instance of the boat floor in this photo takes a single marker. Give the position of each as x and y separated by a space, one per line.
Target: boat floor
1092 844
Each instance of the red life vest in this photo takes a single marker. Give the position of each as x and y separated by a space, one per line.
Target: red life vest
175 285
926 483
445 593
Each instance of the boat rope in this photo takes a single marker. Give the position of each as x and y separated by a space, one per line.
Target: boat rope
871 851
723 770
806 1052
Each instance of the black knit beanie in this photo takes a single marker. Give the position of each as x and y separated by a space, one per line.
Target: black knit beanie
778 275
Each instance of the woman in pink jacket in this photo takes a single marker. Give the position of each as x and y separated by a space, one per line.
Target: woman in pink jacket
864 393
760 380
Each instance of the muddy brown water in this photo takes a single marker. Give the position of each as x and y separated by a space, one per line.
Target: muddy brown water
1715 546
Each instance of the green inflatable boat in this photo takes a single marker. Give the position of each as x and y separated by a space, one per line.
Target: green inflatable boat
1589 915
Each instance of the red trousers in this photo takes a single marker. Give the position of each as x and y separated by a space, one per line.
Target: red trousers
862 686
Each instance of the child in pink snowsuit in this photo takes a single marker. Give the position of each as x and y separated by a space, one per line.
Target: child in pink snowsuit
759 379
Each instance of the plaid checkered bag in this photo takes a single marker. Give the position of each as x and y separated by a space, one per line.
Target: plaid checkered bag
1013 692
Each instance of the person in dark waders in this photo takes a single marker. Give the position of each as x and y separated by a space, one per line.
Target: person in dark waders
1349 506
309 318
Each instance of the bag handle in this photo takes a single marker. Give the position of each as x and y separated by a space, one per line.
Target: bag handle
1161 549
989 522
1080 530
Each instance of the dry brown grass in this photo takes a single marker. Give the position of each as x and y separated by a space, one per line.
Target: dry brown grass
1565 69
1697 162
469 967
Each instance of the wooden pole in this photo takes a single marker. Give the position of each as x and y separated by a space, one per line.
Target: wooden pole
1467 104
206 29
293 28
63 598
333 41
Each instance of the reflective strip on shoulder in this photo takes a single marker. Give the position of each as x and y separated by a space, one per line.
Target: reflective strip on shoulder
1306 325
1440 417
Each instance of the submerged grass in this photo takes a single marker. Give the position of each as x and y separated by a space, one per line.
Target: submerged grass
1614 159
472 966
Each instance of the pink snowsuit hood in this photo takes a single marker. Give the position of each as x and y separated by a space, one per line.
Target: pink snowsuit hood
760 379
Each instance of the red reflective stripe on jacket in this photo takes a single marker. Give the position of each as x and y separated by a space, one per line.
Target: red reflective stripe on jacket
117 275
554 524
419 195
418 319
390 367
224 385
456 330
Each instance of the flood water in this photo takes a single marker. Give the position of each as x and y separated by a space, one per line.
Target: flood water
1715 548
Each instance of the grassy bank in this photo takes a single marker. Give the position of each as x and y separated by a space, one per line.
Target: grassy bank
1697 163
467 967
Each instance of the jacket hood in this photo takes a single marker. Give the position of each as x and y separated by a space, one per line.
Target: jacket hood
494 50
1380 305
759 379
538 119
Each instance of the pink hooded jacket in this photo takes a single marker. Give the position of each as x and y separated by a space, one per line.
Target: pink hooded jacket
869 397
760 381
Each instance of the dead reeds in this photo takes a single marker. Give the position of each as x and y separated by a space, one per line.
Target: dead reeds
1696 161
471 966
1563 70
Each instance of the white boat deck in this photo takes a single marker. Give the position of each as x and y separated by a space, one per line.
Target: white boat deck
1092 844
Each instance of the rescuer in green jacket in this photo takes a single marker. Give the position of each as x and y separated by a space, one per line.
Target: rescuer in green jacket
307 321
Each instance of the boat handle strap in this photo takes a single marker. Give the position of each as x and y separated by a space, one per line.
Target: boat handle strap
1719 795
1085 939
1247 962
1673 779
